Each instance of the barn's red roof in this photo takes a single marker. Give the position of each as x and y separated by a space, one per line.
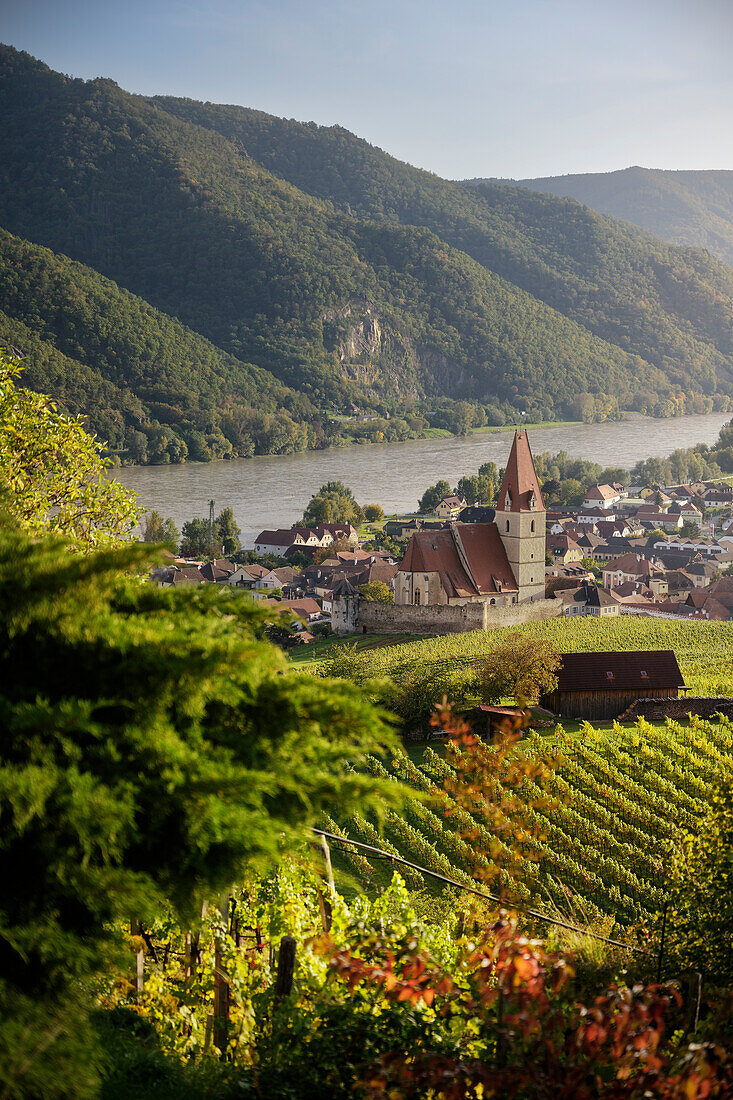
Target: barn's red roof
520 480
638 670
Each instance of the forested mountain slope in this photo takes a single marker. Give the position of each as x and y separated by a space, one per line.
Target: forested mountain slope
347 275
143 380
669 305
687 208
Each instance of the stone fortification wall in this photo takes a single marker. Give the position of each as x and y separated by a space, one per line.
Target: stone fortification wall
385 618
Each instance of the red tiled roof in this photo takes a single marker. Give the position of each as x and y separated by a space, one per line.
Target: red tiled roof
255 571
590 671
470 558
600 492
632 588
520 480
633 564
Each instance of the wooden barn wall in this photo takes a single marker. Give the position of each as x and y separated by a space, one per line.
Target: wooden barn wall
602 704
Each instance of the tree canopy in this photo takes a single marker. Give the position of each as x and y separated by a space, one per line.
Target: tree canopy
523 667
163 531
433 496
53 477
154 749
333 503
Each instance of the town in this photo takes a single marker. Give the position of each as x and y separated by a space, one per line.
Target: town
654 550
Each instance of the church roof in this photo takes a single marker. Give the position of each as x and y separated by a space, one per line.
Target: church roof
469 557
520 480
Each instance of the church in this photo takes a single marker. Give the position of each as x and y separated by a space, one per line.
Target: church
498 563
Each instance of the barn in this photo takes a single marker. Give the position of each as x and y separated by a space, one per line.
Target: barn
603 685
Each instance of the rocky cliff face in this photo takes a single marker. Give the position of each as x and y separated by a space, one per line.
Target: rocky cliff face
383 361
363 339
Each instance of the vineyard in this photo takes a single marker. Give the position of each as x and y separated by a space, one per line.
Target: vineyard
702 649
618 801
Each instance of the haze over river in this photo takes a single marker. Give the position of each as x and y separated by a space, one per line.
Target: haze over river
271 491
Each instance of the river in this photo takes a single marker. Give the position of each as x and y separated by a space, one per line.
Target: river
271 491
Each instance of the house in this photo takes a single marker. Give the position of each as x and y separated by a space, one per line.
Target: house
690 513
217 571
689 546
588 600
564 549
247 576
706 604
651 519
560 526
400 529
449 507
633 592
602 685
283 543
589 543
634 567
494 563
684 494
278 578
477 513
575 571
653 494
678 581
602 496
589 517
701 572
171 576
279 541
337 532
619 528
717 495
307 609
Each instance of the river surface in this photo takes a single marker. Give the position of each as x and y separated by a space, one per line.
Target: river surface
271 491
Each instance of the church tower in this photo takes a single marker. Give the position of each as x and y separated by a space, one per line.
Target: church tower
520 517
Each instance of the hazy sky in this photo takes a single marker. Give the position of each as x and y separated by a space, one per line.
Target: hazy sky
461 87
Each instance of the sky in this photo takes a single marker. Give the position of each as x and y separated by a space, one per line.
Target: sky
464 88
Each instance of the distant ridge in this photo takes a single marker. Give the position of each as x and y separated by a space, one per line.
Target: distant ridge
683 207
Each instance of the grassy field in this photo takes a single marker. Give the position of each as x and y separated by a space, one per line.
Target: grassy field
327 647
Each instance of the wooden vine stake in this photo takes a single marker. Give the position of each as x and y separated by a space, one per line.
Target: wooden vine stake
285 967
139 981
221 990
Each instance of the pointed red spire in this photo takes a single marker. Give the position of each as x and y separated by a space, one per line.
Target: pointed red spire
520 490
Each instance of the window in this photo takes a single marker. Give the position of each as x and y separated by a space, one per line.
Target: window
644 675
531 526
507 525
492 600
417 596
609 676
